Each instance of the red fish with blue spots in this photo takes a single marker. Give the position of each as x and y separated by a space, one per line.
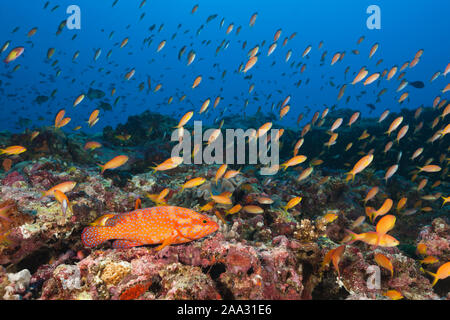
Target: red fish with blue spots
163 225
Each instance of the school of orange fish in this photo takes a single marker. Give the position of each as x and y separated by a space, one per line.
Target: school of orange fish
168 225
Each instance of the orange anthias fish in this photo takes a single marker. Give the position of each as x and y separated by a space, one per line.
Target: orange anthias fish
371 238
64 187
442 273
384 262
114 163
334 255
158 225
363 163
14 54
13 150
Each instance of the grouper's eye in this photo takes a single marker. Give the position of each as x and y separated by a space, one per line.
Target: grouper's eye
204 221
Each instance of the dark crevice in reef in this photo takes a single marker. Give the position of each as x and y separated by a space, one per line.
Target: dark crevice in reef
326 290
307 271
155 287
442 287
33 261
214 272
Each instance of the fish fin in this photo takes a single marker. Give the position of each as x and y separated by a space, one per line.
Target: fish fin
124 244
93 236
167 242
378 242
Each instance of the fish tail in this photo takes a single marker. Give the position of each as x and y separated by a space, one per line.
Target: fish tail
433 275
349 176
353 235
93 236
43 194
101 166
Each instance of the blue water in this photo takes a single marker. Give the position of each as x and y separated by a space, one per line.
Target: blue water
406 27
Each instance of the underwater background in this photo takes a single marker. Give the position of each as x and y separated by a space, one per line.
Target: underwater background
85 150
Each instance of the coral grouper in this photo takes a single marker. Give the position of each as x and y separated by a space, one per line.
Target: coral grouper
164 225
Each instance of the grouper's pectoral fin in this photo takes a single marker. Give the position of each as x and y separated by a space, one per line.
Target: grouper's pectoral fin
123 244
167 242
170 240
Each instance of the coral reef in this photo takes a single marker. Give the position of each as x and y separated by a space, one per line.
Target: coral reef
277 254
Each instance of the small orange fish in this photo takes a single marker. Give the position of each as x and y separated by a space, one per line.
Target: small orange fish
165 225
114 163
430 168
294 161
330 217
442 273
394 125
373 50
264 200
208 206
390 172
13 150
292 203
170 163
363 163
372 238
401 203
383 116
64 187
372 78
387 205
205 106
195 182
250 63
305 173
14 54
372 193
101 221
93 118
234 210
422 249
334 256
220 172
393 295
91 145
78 100
196 82
384 262
63 200
360 76
221 199
253 209
429 260
231 174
